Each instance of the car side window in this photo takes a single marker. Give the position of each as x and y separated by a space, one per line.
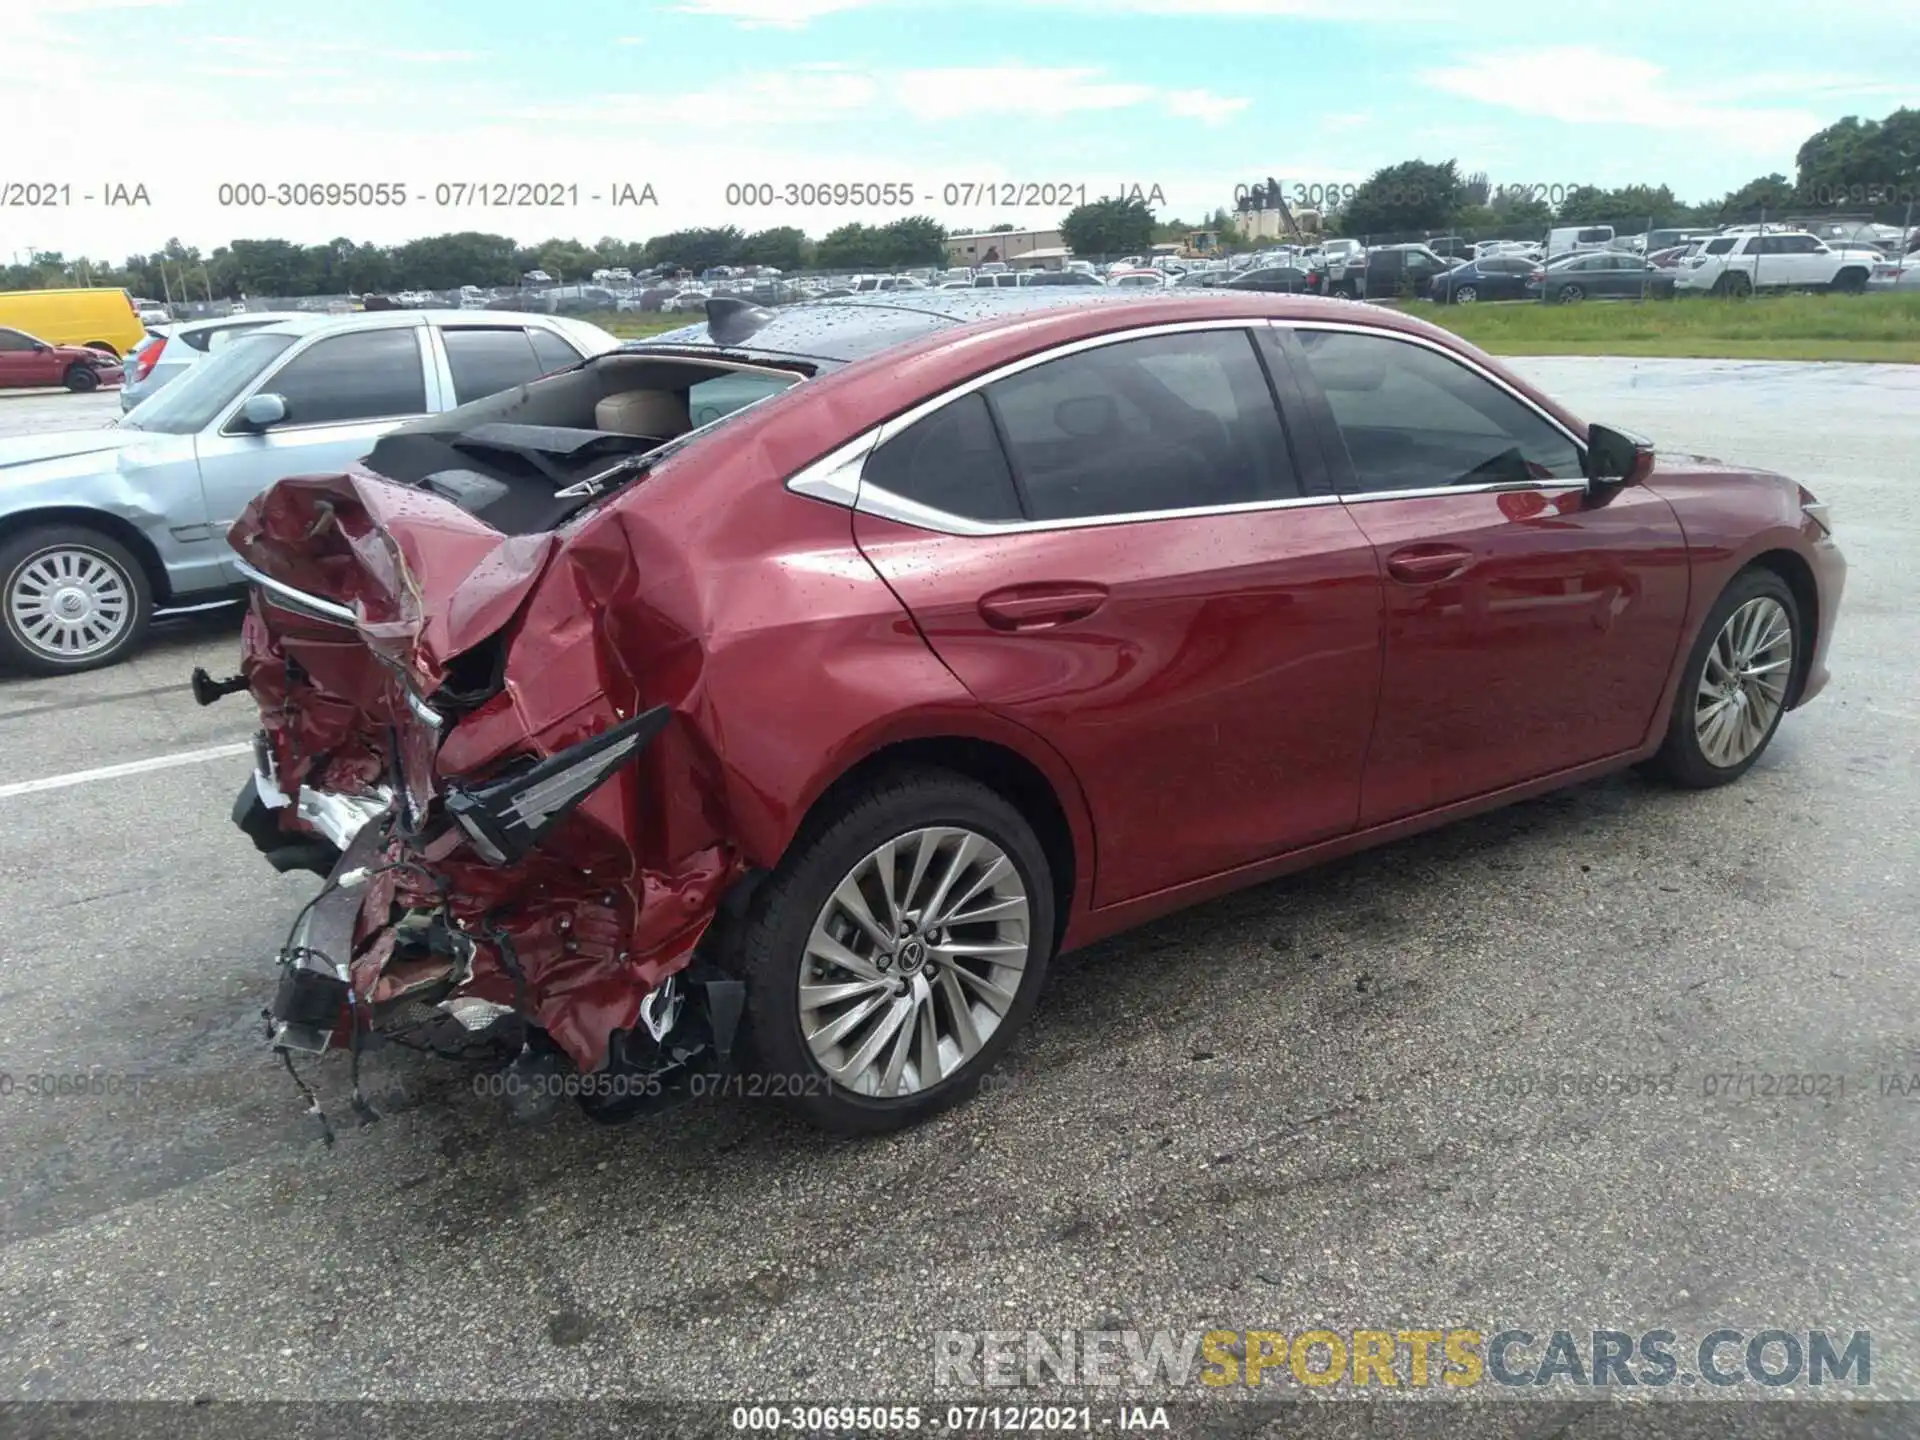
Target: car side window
555 353
1168 422
951 461
487 361
371 375
14 340
1412 418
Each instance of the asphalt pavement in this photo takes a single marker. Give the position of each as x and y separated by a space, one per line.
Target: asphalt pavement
1300 1106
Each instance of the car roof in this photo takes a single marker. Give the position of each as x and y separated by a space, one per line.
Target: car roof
389 319
838 332
252 317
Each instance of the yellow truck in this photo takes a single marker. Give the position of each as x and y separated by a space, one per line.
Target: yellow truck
99 318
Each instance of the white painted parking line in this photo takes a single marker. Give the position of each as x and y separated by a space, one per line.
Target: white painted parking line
132 767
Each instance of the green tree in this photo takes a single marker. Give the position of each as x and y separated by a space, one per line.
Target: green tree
1773 194
853 247
698 250
1108 227
1413 195
1862 165
785 247
915 240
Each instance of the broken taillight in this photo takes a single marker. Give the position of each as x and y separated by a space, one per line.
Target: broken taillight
505 818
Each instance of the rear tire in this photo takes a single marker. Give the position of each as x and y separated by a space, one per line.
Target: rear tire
1696 755
1737 284
795 915
82 379
71 598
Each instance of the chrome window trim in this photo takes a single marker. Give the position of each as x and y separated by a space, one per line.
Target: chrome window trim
837 477
297 600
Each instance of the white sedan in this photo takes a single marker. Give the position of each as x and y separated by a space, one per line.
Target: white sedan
100 529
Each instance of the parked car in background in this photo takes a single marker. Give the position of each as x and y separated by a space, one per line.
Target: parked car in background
164 357
27 361
1491 277
1571 239
1386 271
102 528
1279 280
100 319
1140 280
1100 606
1740 262
1064 277
1897 272
995 279
1600 275
1450 247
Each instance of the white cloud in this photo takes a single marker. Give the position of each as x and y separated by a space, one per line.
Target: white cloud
1204 106
956 92
1557 84
781 14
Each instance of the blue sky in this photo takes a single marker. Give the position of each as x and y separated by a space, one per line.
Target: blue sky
1189 95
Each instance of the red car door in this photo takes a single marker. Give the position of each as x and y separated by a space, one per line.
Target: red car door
1116 548
20 363
1529 628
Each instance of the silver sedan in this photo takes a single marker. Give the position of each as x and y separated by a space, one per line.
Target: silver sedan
102 529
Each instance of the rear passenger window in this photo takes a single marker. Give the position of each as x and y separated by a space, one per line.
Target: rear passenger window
485 362
950 461
555 353
1173 422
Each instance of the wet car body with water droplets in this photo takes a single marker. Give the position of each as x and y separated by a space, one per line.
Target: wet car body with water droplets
668 744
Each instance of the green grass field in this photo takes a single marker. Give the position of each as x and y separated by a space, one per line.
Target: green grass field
1771 327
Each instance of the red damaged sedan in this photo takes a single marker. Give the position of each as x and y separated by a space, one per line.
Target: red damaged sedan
778 695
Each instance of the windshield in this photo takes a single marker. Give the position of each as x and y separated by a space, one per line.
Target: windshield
190 402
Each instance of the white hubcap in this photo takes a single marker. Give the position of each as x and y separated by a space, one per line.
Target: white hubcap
69 603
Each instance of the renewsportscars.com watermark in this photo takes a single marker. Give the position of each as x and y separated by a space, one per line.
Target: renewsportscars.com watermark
1451 1358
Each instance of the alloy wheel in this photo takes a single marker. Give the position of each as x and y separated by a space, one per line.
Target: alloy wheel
914 961
1743 685
1466 295
69 603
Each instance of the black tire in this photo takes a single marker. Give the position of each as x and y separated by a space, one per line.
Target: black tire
769 951
1736 283
1465 295
17 650
1680 759
1851 281
1570 295
82 378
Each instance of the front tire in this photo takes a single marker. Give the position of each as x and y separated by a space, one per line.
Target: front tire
71 599
1851 281
1466 294
1571 295
82 379
895 951
1738 679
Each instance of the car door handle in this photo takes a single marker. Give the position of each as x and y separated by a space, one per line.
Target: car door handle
1424 564
1039 607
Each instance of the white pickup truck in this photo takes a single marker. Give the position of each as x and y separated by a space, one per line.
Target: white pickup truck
1739 264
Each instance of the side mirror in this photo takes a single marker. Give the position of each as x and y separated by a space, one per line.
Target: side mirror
263 410
40 347
1616 459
